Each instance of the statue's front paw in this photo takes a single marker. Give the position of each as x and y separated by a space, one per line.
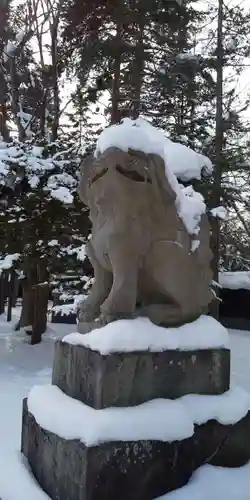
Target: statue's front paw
106 318
85 315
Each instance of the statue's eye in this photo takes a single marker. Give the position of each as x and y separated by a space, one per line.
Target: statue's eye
98 176
132 174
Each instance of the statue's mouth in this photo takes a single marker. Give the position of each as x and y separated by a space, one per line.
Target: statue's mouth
130 174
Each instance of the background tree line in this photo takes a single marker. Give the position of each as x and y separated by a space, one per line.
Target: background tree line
70 67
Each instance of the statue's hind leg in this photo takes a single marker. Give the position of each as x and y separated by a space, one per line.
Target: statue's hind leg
166 314
170 285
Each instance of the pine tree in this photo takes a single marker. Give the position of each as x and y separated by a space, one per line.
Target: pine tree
41 218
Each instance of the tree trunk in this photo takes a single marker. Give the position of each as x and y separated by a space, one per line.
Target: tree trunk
41 298
4 131
15 291
40 314
115 116
138 62
35 299
15 104
3 290
55 86
11 287
28 304
215 239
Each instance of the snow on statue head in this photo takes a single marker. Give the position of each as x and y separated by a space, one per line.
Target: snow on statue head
150 236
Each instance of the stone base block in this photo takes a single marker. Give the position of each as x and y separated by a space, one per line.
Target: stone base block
140 470
127 379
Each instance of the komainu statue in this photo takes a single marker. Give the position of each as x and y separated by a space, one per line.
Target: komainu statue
140 249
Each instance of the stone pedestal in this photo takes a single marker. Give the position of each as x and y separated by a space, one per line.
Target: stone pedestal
127 379
132 470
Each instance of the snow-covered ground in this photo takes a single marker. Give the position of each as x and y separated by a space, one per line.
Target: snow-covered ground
23 366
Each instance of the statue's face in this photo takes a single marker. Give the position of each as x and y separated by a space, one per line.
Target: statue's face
118 182
118 186
124 182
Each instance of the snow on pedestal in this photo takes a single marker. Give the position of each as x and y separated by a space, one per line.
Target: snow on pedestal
141 334
160 420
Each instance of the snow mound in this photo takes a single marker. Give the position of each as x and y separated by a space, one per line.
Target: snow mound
141 334
138 134
235 280
160 419
215 483
207 483
180 161
16 479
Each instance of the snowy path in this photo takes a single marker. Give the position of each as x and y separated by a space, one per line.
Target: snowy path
22 366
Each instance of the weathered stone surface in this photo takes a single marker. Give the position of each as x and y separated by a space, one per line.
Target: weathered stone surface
140 470
128 379
140 247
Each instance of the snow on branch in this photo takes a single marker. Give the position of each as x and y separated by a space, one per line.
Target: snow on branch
219 212
8 261
25 160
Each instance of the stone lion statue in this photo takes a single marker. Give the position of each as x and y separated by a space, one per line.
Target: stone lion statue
140 249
